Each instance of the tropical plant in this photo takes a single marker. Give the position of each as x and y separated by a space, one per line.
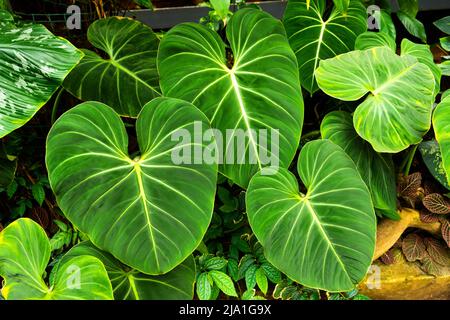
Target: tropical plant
137 205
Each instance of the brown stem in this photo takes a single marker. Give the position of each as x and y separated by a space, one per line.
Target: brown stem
389 231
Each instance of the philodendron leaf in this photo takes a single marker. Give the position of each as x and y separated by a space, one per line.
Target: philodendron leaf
314 36
326 238
260 93
128 79
24 255
149 212
376 169
391 117
130 284
368 40
33 64
441 125
432 157
423 54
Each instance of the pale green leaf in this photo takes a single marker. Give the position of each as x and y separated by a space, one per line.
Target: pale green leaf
314 36
391 117
128 78
148 212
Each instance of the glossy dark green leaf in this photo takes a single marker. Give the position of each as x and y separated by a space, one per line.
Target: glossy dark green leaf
324 238
24 255
368 40
130 284
376 169
257 90
315 36
149 212
33 64
128 79
7 169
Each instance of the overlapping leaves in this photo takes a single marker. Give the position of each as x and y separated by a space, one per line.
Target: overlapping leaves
376 169
128 79
148 212
257 90
130 284
314 36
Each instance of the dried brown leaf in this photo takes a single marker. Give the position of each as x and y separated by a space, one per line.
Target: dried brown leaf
413 247
436 203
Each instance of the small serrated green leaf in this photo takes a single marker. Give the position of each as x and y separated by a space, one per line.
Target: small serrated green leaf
224 282
203 287
250 276
216 263
261 280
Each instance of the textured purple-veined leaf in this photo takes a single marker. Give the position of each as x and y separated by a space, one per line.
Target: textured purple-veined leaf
437 251
413 247
430 266
388 258
436 203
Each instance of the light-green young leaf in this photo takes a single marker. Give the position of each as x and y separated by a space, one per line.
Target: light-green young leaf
400 94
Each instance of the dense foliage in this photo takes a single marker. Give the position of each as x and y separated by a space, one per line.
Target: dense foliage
95 207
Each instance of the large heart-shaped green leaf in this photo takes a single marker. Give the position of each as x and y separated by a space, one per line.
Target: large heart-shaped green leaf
397 111
314 36
324 238
149 212
130 284
33 64
24 255
258 91
376 169
128 79
441 125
